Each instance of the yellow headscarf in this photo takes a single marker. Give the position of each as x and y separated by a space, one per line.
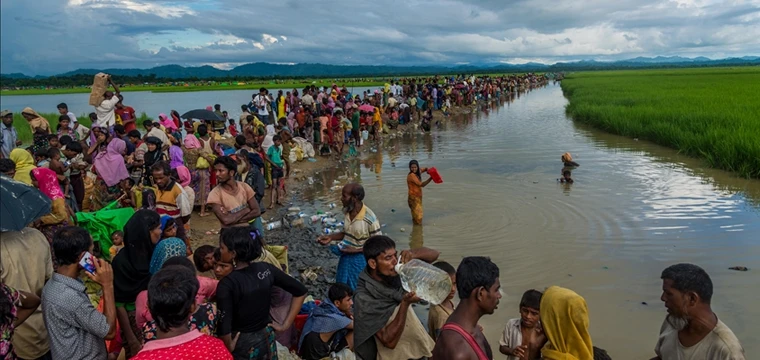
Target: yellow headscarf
36 122
564 317
24 164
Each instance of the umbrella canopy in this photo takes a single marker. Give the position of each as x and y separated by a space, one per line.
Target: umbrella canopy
367 108
202 114
20 204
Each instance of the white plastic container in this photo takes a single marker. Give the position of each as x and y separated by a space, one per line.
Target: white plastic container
427 281
273 225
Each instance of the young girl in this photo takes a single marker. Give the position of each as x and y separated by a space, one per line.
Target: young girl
221 268
64 129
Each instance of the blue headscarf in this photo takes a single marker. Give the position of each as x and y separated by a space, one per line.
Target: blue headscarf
166 248
325 318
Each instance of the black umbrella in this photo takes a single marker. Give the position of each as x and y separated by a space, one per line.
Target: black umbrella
202 114
20 204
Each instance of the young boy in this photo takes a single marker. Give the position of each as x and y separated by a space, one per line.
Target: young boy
42 158
63 109
274 157
523 337
330 326
440 313
117 239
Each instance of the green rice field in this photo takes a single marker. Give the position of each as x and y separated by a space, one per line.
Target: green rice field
710 113
25 132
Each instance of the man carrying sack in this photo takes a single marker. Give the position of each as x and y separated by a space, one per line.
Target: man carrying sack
105 107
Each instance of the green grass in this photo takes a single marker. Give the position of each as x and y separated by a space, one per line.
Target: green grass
711 113
25 132
232 85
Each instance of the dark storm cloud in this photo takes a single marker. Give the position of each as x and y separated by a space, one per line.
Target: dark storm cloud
53 36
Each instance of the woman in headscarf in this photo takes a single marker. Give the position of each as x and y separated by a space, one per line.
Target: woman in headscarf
40 128
108 159
24 164
47 181
131 272
169 246
292 122
176 157
201 176
415 184
177 120
564 318
152 156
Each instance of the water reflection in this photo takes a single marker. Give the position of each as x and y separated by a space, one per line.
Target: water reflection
634 209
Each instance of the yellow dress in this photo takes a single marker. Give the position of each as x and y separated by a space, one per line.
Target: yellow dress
415 197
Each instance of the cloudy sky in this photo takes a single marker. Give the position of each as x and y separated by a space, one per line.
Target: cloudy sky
54 36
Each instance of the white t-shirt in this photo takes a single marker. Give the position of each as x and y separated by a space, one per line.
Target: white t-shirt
105 112
261 104
719 344
73 119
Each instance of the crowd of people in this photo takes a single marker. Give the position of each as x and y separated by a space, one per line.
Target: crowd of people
69 292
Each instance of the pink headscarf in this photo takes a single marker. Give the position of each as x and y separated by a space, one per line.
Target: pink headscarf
167 122
47 182
292 121
191 142
210 108
184 175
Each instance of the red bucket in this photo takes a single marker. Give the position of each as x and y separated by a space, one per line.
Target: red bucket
433 172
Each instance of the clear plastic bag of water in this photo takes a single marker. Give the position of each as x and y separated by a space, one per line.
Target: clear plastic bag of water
427 281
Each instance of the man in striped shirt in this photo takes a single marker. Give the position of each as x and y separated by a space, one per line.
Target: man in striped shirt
360 224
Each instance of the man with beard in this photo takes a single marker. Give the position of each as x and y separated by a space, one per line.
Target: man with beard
359 225
478 287
692 330
233 202
385 324
171 198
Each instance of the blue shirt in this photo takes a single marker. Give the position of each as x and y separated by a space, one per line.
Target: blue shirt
8 139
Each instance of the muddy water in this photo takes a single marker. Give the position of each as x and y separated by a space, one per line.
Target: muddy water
634 209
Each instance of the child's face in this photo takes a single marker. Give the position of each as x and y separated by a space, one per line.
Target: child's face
209 261
117 240
529 316
53 142
69 154
222 269
453 286
170 231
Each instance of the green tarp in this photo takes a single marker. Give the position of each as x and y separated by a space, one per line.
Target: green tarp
101 224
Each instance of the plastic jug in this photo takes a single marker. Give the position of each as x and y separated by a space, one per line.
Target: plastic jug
273 225
429 282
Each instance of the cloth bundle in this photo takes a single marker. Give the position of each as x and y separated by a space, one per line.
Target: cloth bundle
99 87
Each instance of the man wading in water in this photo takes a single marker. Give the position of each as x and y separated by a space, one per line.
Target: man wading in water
478 287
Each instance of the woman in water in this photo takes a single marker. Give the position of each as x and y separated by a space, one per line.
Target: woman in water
415 183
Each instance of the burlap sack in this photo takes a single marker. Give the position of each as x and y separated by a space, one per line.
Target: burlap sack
99 87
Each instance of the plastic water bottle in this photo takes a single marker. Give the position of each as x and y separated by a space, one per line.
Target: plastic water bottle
274 225
332 205
329 221
427 281
315 218
328 231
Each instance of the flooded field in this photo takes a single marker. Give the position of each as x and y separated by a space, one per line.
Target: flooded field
634 209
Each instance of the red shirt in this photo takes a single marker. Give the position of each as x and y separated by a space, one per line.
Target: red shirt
190 346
